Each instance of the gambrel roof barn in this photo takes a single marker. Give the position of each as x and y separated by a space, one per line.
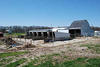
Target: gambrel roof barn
80 28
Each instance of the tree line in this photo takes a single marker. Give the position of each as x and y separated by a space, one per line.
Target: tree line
96 28
20 29
23 29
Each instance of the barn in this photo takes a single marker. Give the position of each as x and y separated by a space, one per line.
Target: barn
80 28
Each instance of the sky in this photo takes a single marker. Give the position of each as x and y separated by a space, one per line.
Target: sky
48 12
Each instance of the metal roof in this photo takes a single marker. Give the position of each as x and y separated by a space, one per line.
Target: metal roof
41 30
75 28
79 23
48 30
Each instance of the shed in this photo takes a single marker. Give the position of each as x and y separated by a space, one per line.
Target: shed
49 34
80 28
97 33
1 34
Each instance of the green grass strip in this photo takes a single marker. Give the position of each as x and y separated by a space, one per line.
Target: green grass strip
2 55
16 63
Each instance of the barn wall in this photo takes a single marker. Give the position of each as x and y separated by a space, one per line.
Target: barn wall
87 31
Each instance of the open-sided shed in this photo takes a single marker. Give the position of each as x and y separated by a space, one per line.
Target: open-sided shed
49 34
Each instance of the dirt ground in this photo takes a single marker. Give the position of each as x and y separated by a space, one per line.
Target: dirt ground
69 47
78 47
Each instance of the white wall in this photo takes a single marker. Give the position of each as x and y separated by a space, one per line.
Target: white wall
61 35
63 31
97 33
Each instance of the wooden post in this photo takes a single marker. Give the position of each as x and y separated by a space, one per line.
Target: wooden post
25 40
31 41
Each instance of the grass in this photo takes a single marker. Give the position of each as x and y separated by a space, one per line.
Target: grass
2 55
16 63
5 61
83 62
79 62
50 61
55 54
50 55
1 43
18 33
14 34
94 47
43 61
94 62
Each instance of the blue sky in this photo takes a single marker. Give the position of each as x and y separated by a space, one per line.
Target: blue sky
48 12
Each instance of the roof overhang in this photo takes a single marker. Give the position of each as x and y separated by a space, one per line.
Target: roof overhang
75 28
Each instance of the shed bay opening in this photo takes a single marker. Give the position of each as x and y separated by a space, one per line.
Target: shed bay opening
75 32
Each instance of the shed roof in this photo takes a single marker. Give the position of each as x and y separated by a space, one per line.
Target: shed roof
41 30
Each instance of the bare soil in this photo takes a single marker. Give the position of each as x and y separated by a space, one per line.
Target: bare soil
71 48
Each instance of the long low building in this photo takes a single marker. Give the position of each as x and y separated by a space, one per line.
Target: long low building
49 34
